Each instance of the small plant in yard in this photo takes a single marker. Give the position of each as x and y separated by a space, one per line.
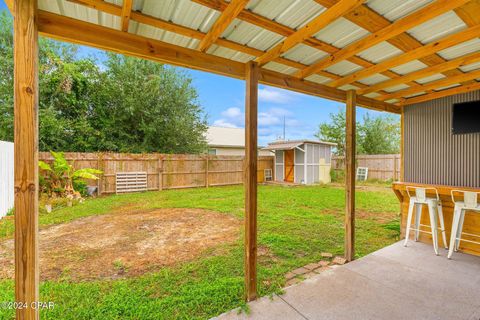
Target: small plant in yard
61 180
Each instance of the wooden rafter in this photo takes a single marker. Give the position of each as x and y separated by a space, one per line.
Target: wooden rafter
460 78
126 13
427 13
285 31
325 18
423 73
417 53
373 22
195 34
76 31
222 23
444 93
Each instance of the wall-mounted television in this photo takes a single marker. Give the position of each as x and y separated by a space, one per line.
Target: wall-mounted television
466 117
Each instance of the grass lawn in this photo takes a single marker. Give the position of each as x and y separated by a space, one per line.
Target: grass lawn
295 225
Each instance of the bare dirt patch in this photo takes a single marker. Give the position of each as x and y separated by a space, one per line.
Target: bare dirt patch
125 244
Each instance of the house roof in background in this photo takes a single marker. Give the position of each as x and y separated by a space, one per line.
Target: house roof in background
225 137
292 144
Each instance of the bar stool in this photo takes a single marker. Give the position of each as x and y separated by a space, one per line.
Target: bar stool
435 212
470 202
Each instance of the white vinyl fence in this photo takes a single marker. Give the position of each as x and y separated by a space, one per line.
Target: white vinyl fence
6 177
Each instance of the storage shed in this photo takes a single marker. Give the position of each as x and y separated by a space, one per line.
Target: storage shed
302 161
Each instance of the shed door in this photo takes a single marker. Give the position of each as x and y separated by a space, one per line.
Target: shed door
289 154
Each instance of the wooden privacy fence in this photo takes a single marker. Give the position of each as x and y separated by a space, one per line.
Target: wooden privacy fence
380 166
165 171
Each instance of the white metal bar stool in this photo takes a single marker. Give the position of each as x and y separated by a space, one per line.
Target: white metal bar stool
470 203
435 212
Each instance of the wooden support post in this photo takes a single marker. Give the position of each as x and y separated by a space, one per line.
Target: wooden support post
251 100
350 177
26 157
402 151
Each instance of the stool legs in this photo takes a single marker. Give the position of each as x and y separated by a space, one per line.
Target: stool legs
418 218
433 225
442 224
460 228
409 221
454 233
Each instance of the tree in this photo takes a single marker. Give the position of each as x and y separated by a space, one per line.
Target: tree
334 131
374 135
114 104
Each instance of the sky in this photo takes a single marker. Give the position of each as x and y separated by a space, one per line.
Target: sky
222 98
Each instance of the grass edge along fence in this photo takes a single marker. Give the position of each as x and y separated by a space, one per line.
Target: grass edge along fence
165 171
380 166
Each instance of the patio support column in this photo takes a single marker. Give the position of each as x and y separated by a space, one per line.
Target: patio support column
350 176
402 155
250 182
26 156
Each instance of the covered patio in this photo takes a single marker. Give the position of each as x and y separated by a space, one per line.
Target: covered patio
391 283
403 57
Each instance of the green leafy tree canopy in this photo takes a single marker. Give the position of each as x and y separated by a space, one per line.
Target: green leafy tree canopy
107 103
374 135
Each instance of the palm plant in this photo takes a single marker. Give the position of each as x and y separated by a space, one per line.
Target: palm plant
59 178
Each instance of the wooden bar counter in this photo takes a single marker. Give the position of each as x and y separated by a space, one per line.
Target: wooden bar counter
471 224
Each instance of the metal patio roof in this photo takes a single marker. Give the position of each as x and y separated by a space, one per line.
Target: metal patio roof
259 26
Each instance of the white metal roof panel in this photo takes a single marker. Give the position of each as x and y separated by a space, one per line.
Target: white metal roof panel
470 67
376 78
278 67
291 13
441 26
341 33
409 67
397 88
461 49
165 36
396 9
251 35
372 95
343 68
304 54
318 79
348 87
431 78
229 54
380 52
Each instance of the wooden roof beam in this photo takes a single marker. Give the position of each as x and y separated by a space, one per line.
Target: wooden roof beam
433 85
226 17
420 52
80 32
444 93
426 72
196 34
315 25
126 12
285 31
373 22
420 16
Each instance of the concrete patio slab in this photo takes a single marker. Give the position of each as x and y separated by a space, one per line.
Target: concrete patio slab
392 283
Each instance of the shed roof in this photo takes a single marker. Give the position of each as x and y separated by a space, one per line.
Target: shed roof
392 52
292 144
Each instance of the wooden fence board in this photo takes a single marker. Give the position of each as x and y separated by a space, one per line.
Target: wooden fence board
164 171
381 167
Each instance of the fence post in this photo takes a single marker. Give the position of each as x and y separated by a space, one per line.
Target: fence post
206 171
160 173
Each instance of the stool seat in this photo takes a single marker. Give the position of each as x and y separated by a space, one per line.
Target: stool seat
435 211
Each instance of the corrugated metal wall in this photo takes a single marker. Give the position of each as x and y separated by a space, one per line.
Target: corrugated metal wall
432 154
